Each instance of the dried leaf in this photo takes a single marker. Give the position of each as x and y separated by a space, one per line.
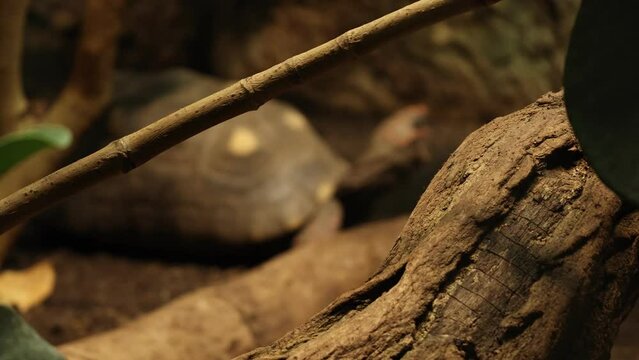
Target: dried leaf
27 288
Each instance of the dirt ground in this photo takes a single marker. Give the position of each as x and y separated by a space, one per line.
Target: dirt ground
100 291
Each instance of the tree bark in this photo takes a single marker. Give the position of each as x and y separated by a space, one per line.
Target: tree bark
511 253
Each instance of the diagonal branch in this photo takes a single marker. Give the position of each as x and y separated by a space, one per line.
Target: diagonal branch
12 101
247 94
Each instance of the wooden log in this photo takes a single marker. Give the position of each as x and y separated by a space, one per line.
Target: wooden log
515 251
254 309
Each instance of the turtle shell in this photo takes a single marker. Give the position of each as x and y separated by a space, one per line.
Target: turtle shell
254 177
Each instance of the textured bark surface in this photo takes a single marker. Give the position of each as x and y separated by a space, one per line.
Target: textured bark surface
253 309
511 253
473 67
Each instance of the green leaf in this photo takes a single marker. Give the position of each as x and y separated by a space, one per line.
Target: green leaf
19 145
18 341
601 90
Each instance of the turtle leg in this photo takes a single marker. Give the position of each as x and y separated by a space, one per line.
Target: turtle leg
324 224
393 145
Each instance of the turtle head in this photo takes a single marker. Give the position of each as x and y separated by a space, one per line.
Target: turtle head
399 131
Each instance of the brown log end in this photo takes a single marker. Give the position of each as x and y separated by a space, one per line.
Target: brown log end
226 319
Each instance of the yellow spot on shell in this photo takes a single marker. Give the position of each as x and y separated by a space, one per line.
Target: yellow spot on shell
293 221
324 192
294 120
243 142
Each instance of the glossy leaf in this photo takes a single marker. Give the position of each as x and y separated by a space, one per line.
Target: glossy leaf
601 82
18 341
19 145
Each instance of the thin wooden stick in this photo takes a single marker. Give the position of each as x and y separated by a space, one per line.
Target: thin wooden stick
248 94
12 100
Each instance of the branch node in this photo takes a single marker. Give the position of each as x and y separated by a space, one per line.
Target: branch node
293 68
249 88
346 42
123 152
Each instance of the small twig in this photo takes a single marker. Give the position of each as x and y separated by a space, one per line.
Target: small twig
247 94
89 87
12 100
83 98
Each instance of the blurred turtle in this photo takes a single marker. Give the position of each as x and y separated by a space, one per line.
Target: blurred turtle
255 177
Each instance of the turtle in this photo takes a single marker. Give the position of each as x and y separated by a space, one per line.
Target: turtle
247 181
255 177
